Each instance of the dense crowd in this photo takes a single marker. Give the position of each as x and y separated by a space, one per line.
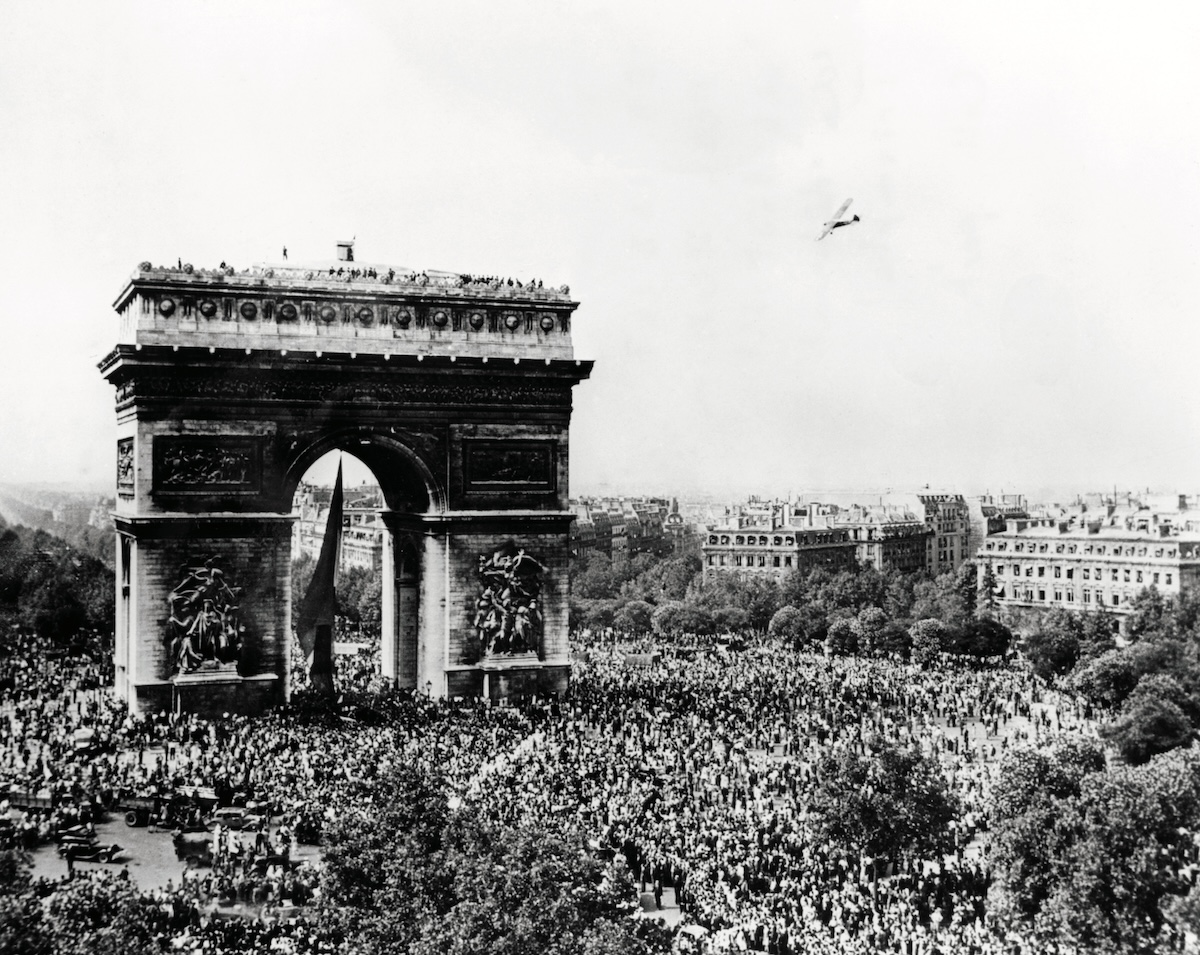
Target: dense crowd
696 769
699 770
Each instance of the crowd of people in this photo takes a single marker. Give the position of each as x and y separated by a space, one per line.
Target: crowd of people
699 770
694 766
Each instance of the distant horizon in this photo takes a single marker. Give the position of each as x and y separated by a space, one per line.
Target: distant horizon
323 472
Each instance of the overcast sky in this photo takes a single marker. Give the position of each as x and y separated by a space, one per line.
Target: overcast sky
1017 308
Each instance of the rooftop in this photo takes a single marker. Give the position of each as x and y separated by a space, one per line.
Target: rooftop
346 306
338 274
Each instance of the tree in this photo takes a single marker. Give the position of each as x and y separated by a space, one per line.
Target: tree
410 875
633 617
944 598
1152 721
842 638
988 594
100 914
665 580
533 889
759 597
22 924
1027 774
868 628
982 637
883 803
893 640
1054 646
593 576
787 623
731 619
359 598
675 618
1090 866
928 638
1025 807
380 874
1148 613
593 614
1105 680
966 587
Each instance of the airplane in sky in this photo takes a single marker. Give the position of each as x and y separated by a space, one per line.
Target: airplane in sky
837 221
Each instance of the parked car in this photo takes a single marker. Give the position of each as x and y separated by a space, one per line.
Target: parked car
236 817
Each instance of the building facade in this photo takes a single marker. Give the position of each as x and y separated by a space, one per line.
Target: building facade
887 539
989 514
947 516
774 541
1087 565
619 528
363 530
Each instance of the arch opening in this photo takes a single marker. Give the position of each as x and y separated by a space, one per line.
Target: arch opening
378 575
405 480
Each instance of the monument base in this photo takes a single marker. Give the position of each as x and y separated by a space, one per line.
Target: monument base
511 675
501 677
213 693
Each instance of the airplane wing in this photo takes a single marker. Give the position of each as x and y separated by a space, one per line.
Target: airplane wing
837 215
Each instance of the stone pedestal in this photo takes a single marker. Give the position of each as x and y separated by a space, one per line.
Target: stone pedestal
512 674
211 693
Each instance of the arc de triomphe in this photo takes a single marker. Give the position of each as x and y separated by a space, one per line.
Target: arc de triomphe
454 390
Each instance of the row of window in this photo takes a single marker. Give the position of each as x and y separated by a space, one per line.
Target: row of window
1059 596
1118 550
762 540
1116 575
715 561
752 560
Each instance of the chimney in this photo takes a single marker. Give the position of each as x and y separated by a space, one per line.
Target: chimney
345 250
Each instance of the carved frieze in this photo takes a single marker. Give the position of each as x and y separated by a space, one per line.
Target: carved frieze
380 392
400 317
204 464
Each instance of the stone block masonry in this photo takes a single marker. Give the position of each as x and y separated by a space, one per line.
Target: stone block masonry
455 391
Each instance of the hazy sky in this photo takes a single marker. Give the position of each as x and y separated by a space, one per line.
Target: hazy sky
1017 308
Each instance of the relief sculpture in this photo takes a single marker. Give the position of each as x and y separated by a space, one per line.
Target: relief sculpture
513 463
204 625
125 464
508 616
183 463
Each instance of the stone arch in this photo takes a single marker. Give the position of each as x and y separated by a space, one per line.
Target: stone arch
405 479
230 385
411 492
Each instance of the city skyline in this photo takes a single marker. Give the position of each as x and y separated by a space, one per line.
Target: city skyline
1010 312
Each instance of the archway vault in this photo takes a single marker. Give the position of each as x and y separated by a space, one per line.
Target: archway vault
394 456
456 394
